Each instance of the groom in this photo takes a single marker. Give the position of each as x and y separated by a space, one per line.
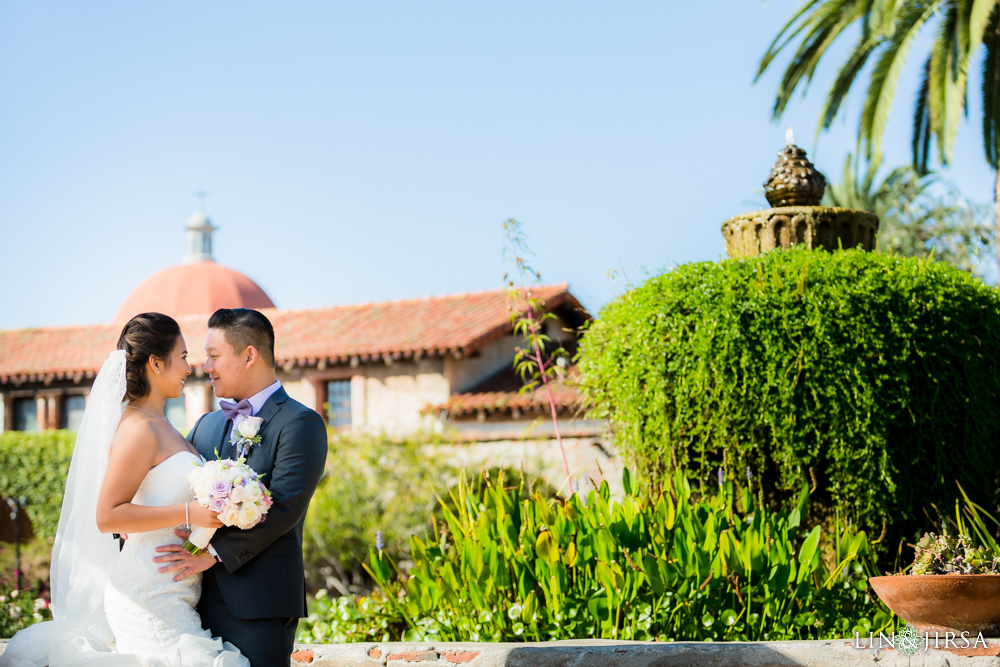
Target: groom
253 590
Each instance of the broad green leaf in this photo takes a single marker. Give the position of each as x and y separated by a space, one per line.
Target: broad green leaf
546 548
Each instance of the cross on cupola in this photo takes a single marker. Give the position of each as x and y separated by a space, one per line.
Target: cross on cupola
199 233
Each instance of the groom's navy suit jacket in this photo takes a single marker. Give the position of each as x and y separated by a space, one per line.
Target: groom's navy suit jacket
261 574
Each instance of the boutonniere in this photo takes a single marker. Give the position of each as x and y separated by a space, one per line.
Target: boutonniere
247 436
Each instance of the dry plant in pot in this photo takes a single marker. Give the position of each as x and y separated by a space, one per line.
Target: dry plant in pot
954 582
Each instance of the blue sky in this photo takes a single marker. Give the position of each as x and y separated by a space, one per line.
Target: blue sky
371 150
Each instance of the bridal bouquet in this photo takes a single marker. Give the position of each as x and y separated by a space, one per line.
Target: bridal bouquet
231 489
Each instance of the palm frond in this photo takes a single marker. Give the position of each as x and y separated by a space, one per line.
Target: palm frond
991 89
922 122
774 49
840 194
827 23
866 19
868 183
845 79
949 63
885 76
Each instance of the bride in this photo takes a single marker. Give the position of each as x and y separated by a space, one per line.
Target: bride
127 476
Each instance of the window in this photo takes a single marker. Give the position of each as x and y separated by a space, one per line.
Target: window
25 414
338 403
72 413
176 413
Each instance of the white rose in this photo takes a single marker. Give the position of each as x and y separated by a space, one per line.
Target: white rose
237 494
252 492
248 515
249 427
202 490
229 515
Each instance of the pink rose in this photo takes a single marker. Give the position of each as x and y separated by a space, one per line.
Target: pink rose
221 488
217 504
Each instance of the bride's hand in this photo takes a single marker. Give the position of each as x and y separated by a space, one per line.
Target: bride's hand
202 516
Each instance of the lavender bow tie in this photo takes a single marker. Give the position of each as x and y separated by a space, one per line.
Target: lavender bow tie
231 409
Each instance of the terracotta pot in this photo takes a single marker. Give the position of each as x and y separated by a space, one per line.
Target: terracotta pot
944 602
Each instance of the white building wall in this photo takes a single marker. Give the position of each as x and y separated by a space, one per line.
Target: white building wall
393 396
301 389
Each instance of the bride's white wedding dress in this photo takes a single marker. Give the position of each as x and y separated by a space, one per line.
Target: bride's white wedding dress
150 614
117 609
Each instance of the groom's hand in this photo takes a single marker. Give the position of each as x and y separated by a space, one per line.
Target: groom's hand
176 558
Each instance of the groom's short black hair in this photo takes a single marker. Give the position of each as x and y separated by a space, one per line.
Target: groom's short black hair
244 327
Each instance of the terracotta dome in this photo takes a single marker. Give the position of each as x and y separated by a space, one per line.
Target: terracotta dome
199 288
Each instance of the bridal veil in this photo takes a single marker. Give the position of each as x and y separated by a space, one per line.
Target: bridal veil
82 557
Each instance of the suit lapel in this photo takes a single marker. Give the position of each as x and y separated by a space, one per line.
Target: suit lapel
222 439
221 434
271 407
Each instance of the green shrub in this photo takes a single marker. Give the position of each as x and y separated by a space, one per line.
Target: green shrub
350 619
373 484
21 608
33 466
514 568
873 376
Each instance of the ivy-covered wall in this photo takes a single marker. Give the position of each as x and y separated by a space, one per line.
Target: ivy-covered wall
877 375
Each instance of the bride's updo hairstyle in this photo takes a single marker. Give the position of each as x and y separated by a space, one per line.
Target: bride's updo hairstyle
146 335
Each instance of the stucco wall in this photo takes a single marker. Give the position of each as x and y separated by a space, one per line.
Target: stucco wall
299 388
463 374
495 356
393 395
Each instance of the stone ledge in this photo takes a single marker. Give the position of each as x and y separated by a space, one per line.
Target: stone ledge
595 652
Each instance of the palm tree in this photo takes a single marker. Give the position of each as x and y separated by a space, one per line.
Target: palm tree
889 29
866 192
915 219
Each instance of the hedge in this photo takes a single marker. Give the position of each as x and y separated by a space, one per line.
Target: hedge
874 377
33 466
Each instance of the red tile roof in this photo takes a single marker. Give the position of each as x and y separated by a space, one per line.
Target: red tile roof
499 397
567 399
435 326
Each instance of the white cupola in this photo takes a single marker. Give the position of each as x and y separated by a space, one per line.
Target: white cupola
199 238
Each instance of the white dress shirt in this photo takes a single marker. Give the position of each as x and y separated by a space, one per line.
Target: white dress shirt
256 403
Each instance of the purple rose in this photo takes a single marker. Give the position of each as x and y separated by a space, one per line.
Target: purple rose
217 504
221 488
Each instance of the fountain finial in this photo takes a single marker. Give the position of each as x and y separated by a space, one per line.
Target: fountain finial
794 181
789 137
795 190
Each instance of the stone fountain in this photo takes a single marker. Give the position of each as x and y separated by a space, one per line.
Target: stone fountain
794 190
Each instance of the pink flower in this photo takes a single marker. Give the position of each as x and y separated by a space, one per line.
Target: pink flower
221 488
217 504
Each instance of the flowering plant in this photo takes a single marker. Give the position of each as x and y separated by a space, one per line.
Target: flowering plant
21 608
231 489
246 435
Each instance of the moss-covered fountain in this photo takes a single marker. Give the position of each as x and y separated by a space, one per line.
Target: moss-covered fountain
794 190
